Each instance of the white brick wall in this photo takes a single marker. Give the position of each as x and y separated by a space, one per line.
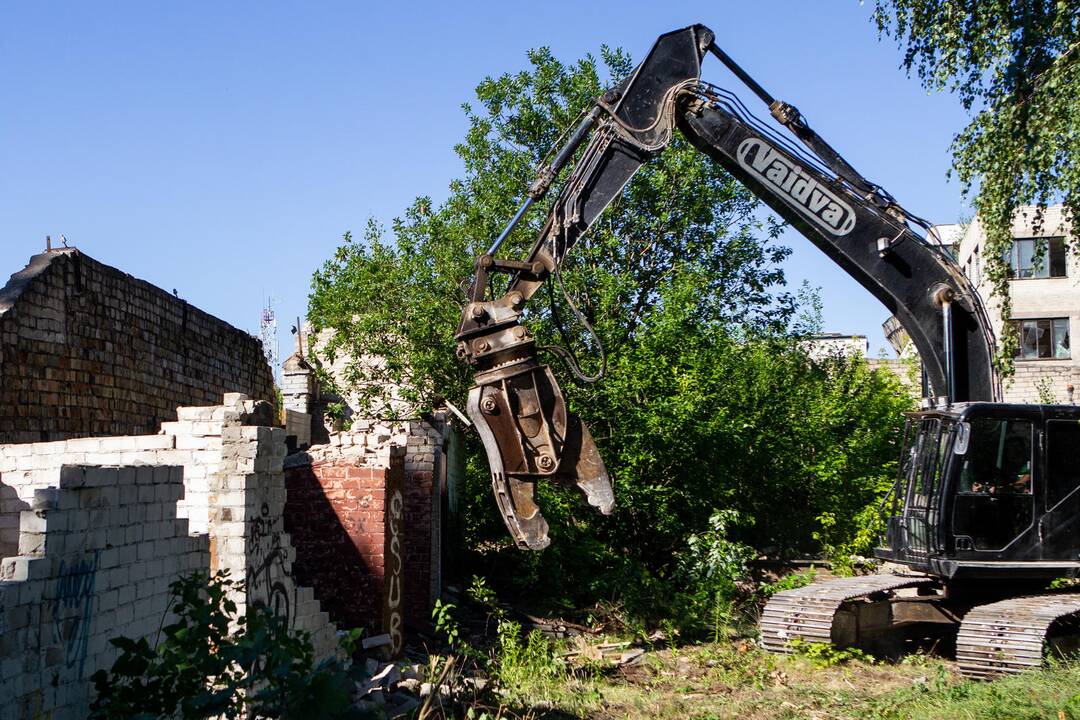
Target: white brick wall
79 581
132 514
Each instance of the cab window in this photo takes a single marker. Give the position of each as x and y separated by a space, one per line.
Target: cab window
998 458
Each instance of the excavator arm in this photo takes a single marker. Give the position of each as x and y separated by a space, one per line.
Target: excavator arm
528 433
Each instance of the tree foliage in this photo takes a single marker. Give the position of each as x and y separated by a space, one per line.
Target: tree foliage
682 222
210 663
1015 65
708 403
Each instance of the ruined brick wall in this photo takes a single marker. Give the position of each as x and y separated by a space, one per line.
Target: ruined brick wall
87 350
98 549
341 514
71 580
375 561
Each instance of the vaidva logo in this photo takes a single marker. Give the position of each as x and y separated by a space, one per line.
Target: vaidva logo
793 183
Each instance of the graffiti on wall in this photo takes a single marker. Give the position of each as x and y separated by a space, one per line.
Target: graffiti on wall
394 610
71 605
268 582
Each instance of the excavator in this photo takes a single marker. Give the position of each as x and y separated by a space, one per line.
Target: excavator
985 510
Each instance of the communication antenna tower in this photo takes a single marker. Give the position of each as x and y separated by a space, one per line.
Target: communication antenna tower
268 336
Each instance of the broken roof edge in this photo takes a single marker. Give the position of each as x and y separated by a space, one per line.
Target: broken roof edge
19 281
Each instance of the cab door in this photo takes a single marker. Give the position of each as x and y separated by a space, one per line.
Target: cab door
920 519
1060 525
993 504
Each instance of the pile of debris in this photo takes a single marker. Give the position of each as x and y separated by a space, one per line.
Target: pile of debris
394 690
617 654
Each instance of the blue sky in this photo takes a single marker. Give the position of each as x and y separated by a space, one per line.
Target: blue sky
222 149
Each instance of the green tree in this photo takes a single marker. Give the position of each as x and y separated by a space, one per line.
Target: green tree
683 221
1015 65
708 402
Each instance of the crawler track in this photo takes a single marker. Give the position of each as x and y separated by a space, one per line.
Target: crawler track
1009 636
808 612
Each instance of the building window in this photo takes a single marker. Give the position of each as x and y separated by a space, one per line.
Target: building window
1044 339
1037 258
973 268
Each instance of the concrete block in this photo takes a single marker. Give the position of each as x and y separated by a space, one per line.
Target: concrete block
125 590
109 558
83 445
155 442
144 476
135 458
14 568
108 600
127 477
102 458
197 413
133 534
145 495
100 477
189 442
162 475
50 448
234 400
117 444
204 429
32 521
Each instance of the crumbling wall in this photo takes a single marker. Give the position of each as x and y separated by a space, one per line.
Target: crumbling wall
425 459
345 515
229 467
87 350
98 549
365 513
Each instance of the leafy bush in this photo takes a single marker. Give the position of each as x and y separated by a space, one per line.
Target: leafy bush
708 571
518 663
824 655
209 663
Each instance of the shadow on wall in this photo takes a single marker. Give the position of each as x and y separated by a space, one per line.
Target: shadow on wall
10 507
328 558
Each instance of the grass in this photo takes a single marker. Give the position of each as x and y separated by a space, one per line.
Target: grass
733 678
1051 693
738 680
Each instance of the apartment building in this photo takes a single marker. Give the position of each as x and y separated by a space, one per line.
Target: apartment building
1045 292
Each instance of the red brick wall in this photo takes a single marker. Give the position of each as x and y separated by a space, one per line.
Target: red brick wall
336 514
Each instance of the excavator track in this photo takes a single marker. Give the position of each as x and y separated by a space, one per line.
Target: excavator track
1010 636
807 613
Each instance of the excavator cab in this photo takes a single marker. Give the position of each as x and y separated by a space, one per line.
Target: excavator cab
987 490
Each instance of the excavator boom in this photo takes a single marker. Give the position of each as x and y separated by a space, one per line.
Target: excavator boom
528 432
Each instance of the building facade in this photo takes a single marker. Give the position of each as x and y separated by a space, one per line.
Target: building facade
1045 292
